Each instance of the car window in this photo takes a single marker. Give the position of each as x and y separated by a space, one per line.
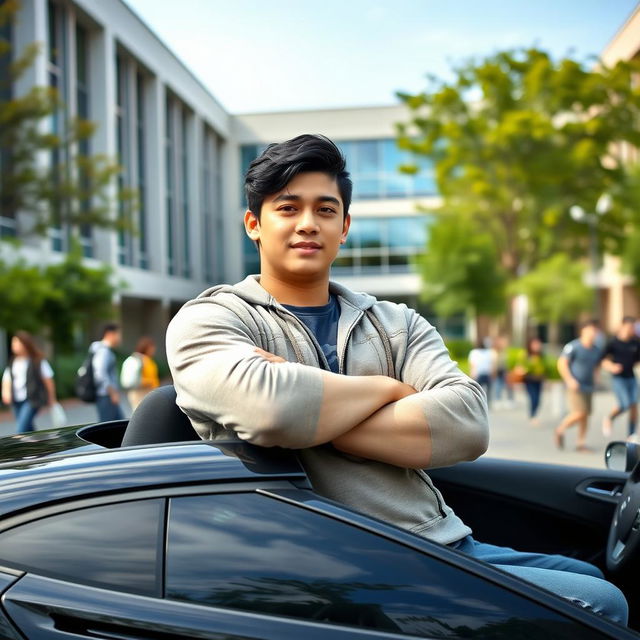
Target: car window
254 553
113 546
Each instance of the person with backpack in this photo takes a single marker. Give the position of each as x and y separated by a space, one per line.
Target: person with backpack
139 373
27 382
105 377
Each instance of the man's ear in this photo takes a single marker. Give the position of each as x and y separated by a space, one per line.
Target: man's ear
252 225
345 228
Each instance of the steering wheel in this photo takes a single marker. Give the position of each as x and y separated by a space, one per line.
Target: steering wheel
624 535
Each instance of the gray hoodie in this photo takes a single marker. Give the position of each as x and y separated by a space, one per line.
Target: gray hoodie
226 388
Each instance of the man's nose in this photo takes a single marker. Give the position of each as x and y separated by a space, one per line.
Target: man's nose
307 222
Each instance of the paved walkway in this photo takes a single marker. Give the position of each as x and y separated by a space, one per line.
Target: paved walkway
511 434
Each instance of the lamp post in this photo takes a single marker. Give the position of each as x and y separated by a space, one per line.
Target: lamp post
578 214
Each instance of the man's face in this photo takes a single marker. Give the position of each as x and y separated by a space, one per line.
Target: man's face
627 331
589 334
300 229
114 338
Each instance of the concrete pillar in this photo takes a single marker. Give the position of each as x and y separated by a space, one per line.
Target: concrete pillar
232 212
102 92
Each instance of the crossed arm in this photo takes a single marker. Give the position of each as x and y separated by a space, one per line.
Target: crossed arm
372 417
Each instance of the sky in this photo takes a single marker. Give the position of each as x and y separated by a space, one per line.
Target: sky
281 55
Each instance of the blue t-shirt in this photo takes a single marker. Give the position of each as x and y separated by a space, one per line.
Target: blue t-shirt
323 324
583 362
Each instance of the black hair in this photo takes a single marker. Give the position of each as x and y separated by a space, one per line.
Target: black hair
592 322
109 327
280 163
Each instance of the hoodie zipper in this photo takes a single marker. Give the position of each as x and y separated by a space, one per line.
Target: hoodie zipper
324 364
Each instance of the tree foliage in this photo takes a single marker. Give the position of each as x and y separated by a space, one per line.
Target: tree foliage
78 297
517 138
556 290
461 270
58 299
72 186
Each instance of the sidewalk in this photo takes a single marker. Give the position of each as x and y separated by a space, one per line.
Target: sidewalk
78 412
512 436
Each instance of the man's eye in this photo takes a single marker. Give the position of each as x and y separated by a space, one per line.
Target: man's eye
287 208
328 210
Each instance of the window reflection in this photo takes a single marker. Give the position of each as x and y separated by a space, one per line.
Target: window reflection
382 245
249 552
108 546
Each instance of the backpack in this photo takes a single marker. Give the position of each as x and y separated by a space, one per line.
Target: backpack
85 386
131 372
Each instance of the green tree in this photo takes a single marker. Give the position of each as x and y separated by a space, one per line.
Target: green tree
24 292
78 297
58 300
517 138
556 291
72 187
461 270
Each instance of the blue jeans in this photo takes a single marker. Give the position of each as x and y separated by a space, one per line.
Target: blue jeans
25 414
534 390
575 580
626 390
108 410
484 380
502 385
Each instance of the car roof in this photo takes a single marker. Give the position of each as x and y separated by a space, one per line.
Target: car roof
49 474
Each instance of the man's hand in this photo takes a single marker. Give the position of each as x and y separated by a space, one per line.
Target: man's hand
270 357
114 396
573 384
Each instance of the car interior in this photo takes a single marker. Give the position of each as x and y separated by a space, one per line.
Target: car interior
528 506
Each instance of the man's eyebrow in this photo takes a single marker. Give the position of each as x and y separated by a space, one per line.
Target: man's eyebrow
284 197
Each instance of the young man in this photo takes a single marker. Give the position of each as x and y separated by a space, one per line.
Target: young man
620 356
577 364
105 375
363 389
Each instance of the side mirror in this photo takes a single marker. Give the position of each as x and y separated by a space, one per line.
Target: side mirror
621 456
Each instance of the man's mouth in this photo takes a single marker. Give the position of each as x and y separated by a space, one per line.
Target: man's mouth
306 246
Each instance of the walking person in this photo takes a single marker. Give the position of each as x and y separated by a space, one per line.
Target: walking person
621 354
577 365
105 375
482 365
27 382
140 372
531 367
502 382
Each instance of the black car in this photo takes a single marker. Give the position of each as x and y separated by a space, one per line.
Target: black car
189 539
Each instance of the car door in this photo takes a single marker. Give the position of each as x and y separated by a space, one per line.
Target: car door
534 506
282 558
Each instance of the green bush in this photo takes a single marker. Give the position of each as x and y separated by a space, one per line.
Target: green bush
459 349
65 369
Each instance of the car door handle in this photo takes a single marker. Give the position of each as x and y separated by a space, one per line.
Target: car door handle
604 489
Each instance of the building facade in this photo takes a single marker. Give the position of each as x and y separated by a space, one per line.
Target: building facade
185 156
171 137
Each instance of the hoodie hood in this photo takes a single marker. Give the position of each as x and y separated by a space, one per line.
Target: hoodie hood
253 293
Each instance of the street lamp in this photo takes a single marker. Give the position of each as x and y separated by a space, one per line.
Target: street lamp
578 214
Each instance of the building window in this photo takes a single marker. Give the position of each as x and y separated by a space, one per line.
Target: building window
374 167
131 129
381 245
82 109
177 196
7 207
58 68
